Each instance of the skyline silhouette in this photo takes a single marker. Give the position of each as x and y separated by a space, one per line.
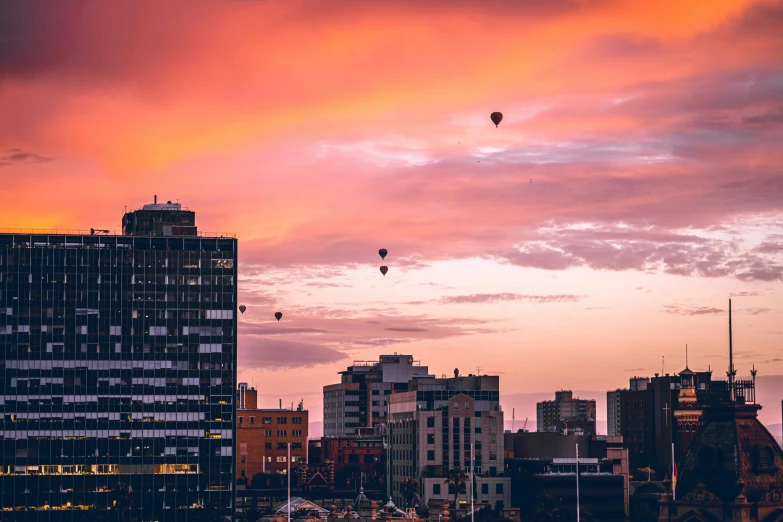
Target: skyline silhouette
632 187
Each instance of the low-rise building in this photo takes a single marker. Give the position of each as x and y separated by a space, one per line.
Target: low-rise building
264 435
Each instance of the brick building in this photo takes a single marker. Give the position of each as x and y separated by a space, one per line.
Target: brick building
355 455
263 436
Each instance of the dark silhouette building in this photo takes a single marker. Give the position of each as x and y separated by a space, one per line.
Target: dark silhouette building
647 419
117 366
733 468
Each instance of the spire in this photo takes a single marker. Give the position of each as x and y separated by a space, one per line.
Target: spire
686 356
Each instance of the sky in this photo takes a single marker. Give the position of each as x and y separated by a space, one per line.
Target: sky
634 185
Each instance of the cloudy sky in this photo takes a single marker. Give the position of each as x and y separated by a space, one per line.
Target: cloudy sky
634 185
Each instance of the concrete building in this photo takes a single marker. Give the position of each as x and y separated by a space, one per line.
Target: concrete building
117 371
263 436
566 413
613 419
361 398
431 429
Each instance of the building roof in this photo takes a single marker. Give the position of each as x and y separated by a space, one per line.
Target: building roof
297 504
733 453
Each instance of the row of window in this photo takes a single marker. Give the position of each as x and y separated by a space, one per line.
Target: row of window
436 489
268 420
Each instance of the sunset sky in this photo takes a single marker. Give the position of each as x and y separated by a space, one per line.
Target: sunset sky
633 186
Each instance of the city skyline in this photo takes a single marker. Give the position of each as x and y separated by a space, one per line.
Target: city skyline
632 187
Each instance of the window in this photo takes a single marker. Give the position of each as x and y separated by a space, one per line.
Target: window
266 420
267 433
296 420
282 459
252 420
456 405
240 420
296 445
430 438
499 488
268 445
485 489
282 420
281 433
296 433
436 489
430 454
115 330
282 445
430 422
244 459
493 455
467 405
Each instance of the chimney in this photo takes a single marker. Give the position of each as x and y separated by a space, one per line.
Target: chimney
281 404
155 199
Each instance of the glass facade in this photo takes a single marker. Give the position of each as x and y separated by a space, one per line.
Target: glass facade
118 375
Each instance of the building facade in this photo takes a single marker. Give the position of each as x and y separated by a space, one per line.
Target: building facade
361 399
566 413
432 428
613 418
650 411
117 371
263 436
358 459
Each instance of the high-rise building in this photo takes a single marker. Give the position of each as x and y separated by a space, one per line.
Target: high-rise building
432 428
613 420
566 413
650 410
263 435
117 370
361 399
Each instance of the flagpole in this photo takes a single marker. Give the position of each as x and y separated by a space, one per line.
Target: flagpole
577 483
674 475
471 483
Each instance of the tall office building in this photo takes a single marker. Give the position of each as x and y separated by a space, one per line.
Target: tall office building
117 366
566 413
613 421
432 427
361 399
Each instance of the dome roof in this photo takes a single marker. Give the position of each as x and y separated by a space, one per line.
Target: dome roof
732 448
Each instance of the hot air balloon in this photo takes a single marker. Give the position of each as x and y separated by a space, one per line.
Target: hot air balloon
382 252
496 118
242 308
384 269
278 315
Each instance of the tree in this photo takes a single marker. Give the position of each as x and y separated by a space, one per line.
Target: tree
410 486
123 500
456 481
549 508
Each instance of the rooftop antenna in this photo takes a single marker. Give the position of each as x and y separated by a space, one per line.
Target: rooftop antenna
155 199
686 356
478 370
512 419
662 359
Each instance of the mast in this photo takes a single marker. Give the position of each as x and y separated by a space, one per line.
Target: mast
731 361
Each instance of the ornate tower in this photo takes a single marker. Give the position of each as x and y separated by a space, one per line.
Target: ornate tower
688 415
